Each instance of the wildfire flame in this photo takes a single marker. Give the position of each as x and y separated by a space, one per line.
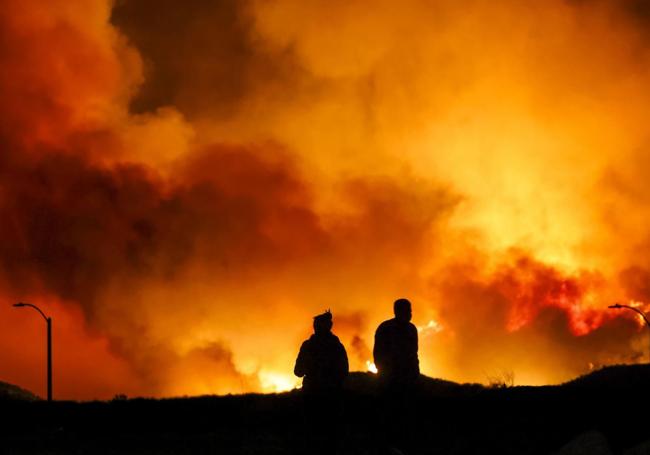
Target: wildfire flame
277 382
431 327
182 211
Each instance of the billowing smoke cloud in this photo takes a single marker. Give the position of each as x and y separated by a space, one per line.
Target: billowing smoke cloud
183 194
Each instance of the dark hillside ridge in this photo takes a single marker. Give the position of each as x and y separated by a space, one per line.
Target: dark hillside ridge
615 377
366 384
13 392
447 418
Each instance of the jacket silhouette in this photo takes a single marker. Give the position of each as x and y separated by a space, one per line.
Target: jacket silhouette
396 347
322 361
398 366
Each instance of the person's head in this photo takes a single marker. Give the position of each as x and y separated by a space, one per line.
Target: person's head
402 309
323 322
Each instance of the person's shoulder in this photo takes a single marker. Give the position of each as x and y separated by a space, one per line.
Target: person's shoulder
333 338
387 323
384 326
412 327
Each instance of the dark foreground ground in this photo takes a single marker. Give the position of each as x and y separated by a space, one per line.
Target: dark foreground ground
603 413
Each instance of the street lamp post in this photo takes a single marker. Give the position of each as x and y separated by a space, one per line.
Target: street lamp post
49 346
636 310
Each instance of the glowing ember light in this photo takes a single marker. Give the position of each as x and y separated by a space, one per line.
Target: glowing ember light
277 382
371 367
431 327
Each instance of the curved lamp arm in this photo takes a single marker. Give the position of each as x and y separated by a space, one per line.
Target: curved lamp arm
22 304
645 318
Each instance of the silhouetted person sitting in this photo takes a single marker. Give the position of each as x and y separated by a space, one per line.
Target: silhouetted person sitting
396 358
323 364
322 361
396 347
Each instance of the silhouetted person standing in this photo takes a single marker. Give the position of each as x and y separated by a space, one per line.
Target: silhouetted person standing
323 364
396 358
396 348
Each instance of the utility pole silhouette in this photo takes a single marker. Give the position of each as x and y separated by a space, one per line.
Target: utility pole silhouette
645 318
49 345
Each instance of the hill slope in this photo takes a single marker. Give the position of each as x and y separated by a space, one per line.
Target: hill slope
13 392
445 418
615 377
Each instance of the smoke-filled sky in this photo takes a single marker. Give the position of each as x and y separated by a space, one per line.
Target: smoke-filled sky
182 187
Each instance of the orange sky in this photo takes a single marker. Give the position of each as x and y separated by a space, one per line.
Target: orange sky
183 194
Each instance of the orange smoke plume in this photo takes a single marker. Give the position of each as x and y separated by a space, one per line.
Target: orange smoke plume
183 195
